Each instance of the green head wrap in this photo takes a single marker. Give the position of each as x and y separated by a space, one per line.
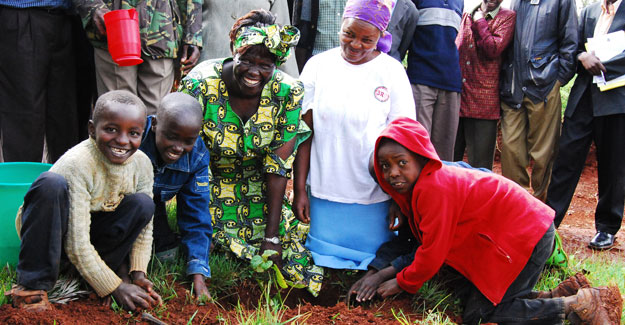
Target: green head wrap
278 40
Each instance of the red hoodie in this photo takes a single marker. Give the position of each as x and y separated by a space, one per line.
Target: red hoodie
481 224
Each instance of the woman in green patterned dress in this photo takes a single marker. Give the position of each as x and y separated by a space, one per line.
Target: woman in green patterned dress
252 128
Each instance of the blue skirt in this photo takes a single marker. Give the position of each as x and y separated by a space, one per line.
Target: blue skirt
346 236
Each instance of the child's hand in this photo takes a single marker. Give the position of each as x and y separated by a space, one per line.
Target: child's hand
389 288
396 219
139 279
365 288
131 296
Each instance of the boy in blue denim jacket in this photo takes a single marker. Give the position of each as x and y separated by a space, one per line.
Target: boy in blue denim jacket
180 161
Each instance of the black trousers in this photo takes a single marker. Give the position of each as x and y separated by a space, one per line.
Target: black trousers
37 84
578 132
514 308
44 227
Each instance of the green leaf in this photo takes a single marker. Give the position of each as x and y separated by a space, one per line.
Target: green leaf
279 277
268 253
266 265
256 262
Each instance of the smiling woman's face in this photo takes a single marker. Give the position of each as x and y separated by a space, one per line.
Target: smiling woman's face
358 40
252 70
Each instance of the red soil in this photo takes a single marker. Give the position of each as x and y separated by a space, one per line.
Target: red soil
328 308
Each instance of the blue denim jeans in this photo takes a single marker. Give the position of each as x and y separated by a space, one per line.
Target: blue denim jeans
514 308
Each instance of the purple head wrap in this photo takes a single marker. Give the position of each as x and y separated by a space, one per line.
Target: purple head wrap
375 12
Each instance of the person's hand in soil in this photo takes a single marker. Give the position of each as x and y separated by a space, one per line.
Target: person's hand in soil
396 219
131 296
365 287
389 288
98 21
139 279
276 258
301 206
188 59
200 291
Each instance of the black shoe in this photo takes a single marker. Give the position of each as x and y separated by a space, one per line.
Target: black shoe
602 240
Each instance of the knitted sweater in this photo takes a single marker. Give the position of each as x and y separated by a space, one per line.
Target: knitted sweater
95 184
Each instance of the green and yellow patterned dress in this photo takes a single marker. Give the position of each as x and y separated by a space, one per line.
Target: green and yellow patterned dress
241 155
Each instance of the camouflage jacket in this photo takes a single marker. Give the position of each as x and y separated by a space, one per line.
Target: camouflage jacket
163 24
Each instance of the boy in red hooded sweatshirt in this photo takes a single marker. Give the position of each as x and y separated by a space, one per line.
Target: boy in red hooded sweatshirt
484 226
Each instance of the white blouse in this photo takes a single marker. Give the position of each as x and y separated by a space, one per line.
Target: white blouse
351 105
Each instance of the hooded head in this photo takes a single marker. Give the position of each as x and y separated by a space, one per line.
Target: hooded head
377 13
402 152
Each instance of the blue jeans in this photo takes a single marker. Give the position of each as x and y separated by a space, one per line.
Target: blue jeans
195 238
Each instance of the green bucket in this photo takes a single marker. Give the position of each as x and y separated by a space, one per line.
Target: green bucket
15 180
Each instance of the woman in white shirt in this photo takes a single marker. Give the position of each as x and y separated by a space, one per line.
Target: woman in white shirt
351 93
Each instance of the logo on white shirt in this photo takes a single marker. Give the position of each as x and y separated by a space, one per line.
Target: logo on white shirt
381 94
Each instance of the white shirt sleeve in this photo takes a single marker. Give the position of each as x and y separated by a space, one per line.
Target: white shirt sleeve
308 78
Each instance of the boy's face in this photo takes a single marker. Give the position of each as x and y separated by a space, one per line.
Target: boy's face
118 131
175 137
400 166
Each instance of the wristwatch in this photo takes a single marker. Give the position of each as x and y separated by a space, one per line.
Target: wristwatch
273 240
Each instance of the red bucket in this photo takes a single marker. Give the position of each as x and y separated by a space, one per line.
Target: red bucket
122 32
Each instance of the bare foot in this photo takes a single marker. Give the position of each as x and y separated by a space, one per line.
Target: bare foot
200 291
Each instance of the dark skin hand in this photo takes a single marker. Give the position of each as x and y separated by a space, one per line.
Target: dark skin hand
139 293
591 63
389 288
189 58
98 21
366 287
276 186
301 203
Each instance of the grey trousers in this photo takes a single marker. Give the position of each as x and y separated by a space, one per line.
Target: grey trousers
438 111
150 80
478 137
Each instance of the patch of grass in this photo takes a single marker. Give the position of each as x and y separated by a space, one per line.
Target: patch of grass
164 275
172 220
7 278
565 90
436 295
227 272
270 310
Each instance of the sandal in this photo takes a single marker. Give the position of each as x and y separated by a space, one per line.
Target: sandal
558 257
30 300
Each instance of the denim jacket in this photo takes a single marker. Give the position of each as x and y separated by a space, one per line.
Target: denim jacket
542 51
188 180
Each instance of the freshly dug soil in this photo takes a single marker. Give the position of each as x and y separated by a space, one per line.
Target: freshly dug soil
329 308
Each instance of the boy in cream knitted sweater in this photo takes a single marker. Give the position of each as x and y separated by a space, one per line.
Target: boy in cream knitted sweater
94 207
